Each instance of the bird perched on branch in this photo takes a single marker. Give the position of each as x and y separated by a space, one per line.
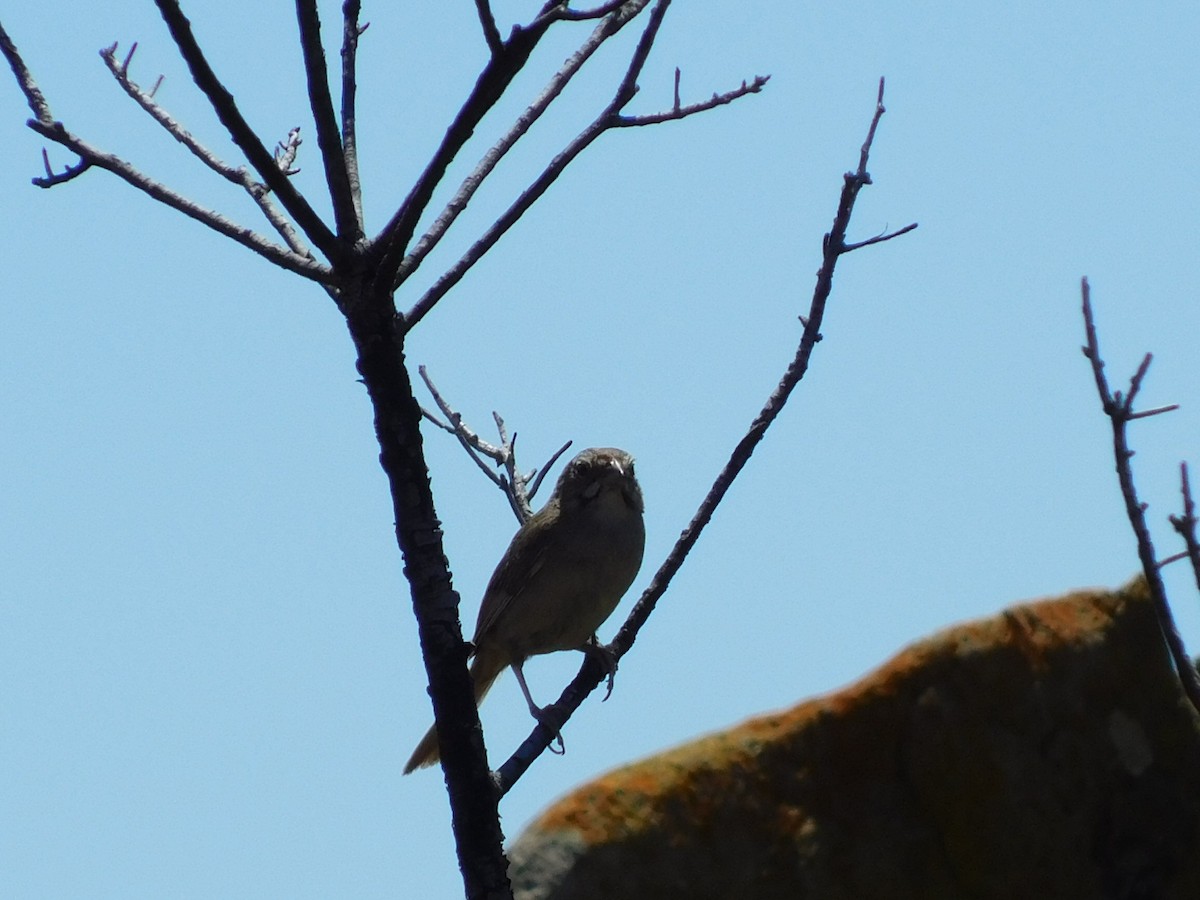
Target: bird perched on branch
561 577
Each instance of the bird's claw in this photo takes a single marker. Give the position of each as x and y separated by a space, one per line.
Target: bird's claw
548 717
606 658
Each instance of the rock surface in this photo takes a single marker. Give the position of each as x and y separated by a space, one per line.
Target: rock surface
1047 752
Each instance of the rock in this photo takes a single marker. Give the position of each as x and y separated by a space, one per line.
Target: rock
1047 752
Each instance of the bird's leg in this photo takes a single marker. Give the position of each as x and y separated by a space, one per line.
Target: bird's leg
544 716
607 658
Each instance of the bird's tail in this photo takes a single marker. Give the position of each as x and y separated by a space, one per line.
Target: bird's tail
485 668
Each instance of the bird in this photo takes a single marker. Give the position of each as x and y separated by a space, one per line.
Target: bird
562 575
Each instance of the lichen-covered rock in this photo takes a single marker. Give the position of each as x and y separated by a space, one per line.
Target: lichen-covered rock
1046 753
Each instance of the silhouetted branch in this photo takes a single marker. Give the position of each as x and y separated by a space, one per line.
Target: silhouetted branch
609 118
389 247
592 672
563 12
1119 410
1186 524
351 32
520 127
243 135
328 133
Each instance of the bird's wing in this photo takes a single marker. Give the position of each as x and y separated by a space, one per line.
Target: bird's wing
525 557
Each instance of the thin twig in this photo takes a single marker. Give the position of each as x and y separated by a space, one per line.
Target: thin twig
520 127
1157 411
514 484
1186 524
592 672
329 138
879 238
682 112
541 475
52 178
1119 411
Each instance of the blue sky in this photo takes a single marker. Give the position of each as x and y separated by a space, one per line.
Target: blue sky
209 658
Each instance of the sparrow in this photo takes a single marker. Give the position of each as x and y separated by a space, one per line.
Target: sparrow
563 574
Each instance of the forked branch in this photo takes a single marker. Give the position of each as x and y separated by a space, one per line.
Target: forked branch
221 100
608 119
518 487
592 672
236 174
1119 409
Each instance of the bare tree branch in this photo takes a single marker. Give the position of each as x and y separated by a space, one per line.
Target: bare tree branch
563 11
328 134
351 32
592 672
682 112
239 175
514 484
275 253
1186 524
609 118
879 238
243 135
65 175
1119 410
390 245
520 127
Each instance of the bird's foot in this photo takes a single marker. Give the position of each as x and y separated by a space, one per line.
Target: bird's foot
550 718
605 656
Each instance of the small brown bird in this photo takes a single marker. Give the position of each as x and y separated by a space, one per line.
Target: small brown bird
561 577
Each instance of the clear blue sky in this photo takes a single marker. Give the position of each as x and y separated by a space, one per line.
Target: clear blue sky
211 677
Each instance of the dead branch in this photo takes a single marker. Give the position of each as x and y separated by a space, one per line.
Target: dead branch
518 487
329 139
390 245
236 174
1119 409
608 119
1185 525
682 112
520 127
592 673
351 32
221 100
